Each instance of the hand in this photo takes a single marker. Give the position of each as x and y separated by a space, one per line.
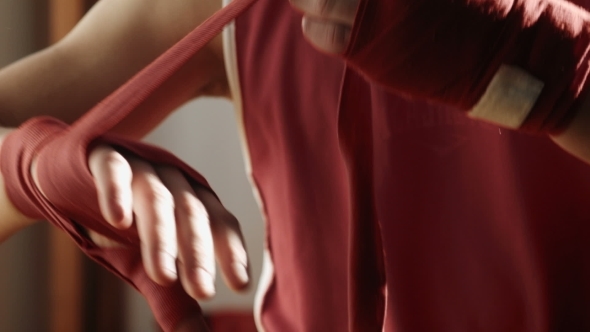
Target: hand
327 23
180 226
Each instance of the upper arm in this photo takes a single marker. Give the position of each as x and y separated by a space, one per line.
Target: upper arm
114 40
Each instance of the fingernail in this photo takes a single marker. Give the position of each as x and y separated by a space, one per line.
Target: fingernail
206 282
241 273
168 263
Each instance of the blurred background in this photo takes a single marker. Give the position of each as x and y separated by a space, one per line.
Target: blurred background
45 283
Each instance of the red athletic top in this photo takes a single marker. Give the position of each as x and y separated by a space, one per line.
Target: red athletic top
483 229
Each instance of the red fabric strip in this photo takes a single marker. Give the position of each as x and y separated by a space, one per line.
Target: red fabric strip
62 153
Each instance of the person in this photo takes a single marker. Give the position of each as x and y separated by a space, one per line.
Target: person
205 75
481 228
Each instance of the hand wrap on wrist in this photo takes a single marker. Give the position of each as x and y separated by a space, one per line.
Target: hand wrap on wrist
522 64
71 203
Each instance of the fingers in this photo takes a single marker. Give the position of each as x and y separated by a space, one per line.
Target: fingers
196 259
153 205
205 230
230 247
182 229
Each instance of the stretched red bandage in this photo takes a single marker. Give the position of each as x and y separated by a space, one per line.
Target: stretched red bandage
449 51
69 199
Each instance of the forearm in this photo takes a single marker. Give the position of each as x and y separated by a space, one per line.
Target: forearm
116 39
51 82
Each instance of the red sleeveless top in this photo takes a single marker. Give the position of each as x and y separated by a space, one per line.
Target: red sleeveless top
482 228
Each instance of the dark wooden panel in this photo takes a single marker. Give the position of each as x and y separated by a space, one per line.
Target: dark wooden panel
83 296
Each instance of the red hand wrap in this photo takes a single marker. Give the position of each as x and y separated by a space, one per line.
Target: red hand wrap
72 204
448 51
69 198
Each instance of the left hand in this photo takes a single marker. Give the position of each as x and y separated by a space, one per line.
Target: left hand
327 23
182 228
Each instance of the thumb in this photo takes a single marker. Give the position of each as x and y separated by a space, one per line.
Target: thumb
327 36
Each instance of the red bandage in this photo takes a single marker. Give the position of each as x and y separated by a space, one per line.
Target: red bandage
72 203
69 199
533 51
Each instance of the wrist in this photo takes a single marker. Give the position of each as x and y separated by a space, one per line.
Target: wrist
11 219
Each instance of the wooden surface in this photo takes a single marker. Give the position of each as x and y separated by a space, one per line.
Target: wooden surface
65 274
63 16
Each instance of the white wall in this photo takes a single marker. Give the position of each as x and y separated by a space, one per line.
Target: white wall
204 134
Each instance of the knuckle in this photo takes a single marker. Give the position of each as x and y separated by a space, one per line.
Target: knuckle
193 272
114 160
114 188
162 237
189 206
113 191
98 152
198 254
330 37
161 246
158 195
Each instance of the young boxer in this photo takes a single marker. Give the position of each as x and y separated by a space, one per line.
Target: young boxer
387 208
